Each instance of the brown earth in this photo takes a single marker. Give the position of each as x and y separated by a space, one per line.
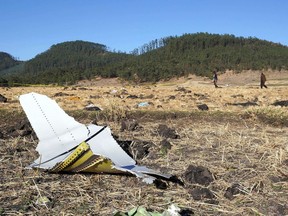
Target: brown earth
243 146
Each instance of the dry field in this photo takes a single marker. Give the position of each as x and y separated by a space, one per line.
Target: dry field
241 141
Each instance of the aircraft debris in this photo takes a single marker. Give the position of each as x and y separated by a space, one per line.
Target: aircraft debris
66 145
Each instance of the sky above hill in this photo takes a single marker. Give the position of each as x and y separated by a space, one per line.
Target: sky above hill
30 27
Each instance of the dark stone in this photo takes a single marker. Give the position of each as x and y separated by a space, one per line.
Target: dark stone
125 145
132 96
60 94
129 125
283 103
83 88
232 191
160 184
176 180
140 149
25 132
1 135
198 175
3 99
167 132
23 125
203 107
186 212
136 149
199 193
172 97
94 122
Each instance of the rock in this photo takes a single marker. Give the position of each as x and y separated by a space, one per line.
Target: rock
198 175
186 212
160 184
3 99
132 96
231 191
172 97
21 128
125 145
283 103
25 132
129 125
60 94
199 193
82 88
203 107
136 149
140 149
167 132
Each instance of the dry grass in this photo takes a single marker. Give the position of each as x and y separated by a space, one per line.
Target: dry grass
237 144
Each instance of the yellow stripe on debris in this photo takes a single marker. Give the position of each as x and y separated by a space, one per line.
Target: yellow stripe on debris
72 158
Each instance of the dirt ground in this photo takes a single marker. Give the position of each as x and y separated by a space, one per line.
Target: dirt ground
239 161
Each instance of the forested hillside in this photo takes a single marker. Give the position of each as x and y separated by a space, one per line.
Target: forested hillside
71 61
159 59
7 61
202 53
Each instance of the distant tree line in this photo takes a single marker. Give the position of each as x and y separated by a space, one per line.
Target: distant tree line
160 59
152 45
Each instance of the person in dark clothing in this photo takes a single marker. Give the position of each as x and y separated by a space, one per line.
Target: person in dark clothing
262 80
215 79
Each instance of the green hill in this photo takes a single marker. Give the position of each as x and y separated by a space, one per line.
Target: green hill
71 61
202 53
159 59
7 61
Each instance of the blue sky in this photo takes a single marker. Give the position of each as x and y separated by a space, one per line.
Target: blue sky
30 27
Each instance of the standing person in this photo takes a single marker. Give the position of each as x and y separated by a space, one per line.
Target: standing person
262 80
215 79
